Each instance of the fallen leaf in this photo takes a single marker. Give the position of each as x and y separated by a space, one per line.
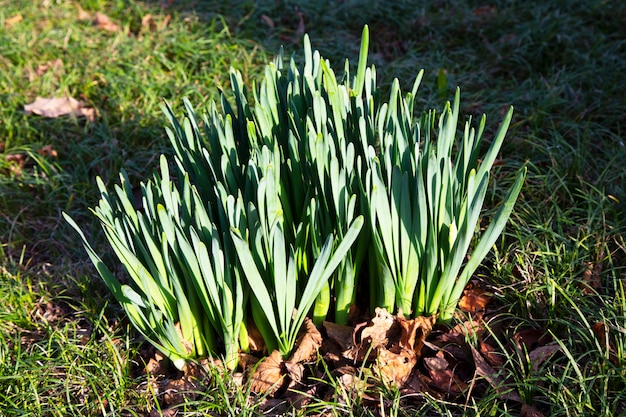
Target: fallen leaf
530 411
353 385
83 15
55 107
166 21
12 21
393 343
443 378
295 372
307 343
48 150
148 23
484 370
238 379
176 391
531 339
268 377
542 354
395 367
341 335
49 312
153 366
469 328
56 66
591 277
102 21
17 162
168 412
474 300
436 363
379 329
601 331
247 360
490 354
414 332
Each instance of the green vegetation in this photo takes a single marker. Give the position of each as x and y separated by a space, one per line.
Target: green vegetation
65 346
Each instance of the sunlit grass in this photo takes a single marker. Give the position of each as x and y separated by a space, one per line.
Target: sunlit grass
560 63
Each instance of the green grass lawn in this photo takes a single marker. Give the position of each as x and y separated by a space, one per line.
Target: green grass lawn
65 346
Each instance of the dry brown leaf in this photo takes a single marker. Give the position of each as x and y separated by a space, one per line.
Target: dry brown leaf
484 370
394 342
601 332
268 376
490 354
474 300
166 21
176 391
530 411
148 23
55 65
542 354
17 162
48 150
12 21
295 372
380 329
531 339
353 384
445 380
104 22
591 277
307 343
395 367
341 335
168 412
56 107
83 15
436 363
470 328
49 312
247 360
153 366
414 332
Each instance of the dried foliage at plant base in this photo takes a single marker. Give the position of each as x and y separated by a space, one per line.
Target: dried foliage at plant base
384 352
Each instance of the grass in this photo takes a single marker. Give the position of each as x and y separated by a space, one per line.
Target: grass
65 349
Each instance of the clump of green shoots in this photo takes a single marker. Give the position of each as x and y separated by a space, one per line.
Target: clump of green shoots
272 210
